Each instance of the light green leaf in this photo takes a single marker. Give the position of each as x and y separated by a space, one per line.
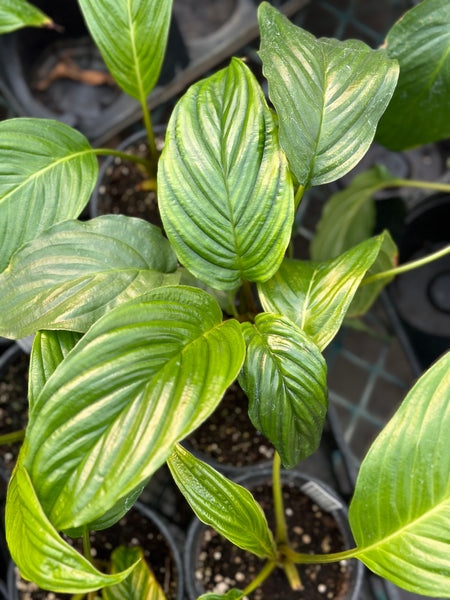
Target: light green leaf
284 376
367 293
400 512
348 217
47 174
141 379
419 110
233 594
225 298
132 37
224 505
329 96
37 549
49 349
225 193
73 273
15 14
316 295
140 585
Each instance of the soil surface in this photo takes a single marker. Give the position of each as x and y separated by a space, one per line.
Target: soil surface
132 530
222 566
228 436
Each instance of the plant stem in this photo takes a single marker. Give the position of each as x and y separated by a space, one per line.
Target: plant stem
292 575
278 505
87 545
150 136
427 185
408 266
14 436
125 156
297 557
248 294
260 578
298 196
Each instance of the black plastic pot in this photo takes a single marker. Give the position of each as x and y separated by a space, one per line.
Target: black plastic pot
321 494
160 524
422 297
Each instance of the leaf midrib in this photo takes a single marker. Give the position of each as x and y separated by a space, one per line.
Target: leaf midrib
141 93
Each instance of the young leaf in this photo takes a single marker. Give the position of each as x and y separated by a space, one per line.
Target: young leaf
73 273
329 96
348 217
400 512
232 594
15 14
142 378
316 295
37 549
132 37
225 193
49 349
140 585
367 293
47 174
226 506
284 377
419 110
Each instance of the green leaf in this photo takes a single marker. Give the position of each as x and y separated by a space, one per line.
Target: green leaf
73 273
225 193
140 585
37 549
400 512
316 295
47 174
329 96
15 14
419 110
49 349
232 594
225 298
141 379
367 293
348 217
132 37
284 377
224 505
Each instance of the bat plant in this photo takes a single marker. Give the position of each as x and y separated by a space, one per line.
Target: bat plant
134 351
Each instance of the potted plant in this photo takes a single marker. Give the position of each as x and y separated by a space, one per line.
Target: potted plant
128 361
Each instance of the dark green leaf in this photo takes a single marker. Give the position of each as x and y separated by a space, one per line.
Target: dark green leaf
73 273
348 217
225 193
47 174
141 379
329 96
419 110
132 37
140 585
15 14
400 512
226 506
316 295
37 549
284 377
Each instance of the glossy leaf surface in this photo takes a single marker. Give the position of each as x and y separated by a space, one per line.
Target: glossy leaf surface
47 174
74 272
37 549
367 293
348 217
400 512
316 295
49 349
15 14
142 378
329 96
225 193
140 584
132 37
419 110
284 377
224 505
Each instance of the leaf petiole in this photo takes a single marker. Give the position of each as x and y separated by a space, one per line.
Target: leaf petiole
14 436
299 558
261 577
124 156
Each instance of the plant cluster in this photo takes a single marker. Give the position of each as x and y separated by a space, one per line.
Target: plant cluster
133 351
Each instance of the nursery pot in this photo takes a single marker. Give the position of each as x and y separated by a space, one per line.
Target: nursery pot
316 520
138 527
422 297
